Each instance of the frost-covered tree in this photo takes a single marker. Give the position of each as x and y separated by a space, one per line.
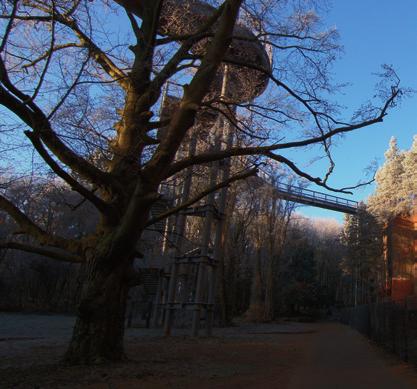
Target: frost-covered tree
387 201
396 183
410 174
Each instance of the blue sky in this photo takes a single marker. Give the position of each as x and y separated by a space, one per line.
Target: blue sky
373 32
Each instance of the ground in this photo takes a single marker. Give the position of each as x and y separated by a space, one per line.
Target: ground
279 355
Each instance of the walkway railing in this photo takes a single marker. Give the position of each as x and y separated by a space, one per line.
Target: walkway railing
316 199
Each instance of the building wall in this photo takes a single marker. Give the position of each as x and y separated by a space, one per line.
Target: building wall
401 254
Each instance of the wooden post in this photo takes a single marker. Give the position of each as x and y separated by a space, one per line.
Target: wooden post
205 241
156 302
219 241
169 307
179 230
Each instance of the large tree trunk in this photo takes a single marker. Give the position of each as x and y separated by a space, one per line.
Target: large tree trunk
99 329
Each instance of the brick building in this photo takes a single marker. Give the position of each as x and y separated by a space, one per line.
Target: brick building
401 256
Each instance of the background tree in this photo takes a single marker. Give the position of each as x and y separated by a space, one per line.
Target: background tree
363 263
388 199
31 281
409 175
396 184
236 266
310 267
270 229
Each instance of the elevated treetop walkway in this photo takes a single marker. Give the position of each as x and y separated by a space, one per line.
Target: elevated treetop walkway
316 199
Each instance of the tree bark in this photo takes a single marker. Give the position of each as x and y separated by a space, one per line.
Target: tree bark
99 328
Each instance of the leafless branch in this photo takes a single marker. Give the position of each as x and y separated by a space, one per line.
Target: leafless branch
46 252
201 195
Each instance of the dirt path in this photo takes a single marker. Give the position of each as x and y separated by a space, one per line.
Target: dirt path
337 357
267 356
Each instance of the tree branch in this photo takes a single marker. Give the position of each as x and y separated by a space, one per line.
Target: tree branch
202 194
72 182
48 58
32 229
46 54
263 150
41 251
9 25
97 54
35 119
194 92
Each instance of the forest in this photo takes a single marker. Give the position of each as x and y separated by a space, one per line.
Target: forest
277 263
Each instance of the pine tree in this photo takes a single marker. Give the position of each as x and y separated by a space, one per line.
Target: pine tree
389 199
410 175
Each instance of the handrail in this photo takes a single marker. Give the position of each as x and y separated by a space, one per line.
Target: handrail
295 190
311 197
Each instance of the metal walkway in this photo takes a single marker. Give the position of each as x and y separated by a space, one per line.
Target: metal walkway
316 199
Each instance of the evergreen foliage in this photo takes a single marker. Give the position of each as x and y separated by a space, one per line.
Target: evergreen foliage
396 183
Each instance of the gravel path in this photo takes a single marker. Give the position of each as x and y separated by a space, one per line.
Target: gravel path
279 355
337 357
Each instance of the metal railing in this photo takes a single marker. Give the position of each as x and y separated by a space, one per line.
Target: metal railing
391 324
319 199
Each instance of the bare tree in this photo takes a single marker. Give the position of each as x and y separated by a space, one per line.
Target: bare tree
269 229
83 80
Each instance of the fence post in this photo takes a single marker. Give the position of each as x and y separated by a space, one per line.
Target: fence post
405 330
